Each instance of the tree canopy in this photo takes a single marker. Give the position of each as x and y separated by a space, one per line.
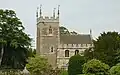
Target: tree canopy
75 65
14 42
115 70
95 67
106 48
39 66
64 31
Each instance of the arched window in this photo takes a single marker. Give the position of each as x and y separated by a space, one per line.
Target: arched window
76 52
66 53
51 50
50 30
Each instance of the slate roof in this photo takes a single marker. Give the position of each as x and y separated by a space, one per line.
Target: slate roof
75 39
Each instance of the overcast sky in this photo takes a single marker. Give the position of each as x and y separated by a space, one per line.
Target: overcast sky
77 15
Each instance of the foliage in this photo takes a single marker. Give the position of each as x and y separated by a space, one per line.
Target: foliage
14 42
88 54
64 30
64 72
115 70
75 65
86 74
39 66
10 72
106 48
95 67
31 52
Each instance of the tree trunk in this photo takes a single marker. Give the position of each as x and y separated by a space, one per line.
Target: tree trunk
2 51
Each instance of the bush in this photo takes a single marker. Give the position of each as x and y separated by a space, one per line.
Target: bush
10 72
95 67
64 72
75 65
115 70
39 66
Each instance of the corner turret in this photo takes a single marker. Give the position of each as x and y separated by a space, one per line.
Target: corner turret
41 18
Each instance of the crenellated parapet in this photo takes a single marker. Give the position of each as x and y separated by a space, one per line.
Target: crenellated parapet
47 19
75 45
41 18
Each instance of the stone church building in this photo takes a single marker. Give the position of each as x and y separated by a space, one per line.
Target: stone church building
58 48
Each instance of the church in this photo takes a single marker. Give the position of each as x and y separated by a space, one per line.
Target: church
56 47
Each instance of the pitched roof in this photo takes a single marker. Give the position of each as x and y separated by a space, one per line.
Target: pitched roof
75 39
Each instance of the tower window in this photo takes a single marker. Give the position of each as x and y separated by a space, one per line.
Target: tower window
51 50
50 30
76 52
66 53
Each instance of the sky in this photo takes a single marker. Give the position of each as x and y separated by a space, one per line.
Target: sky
76 15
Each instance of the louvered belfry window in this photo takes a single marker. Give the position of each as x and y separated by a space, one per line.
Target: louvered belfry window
50 30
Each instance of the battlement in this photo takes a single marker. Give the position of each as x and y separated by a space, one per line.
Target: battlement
48 19
75 45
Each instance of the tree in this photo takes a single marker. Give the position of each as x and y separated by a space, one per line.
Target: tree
65 31
75 65
63 72
88 54
39 66
107 48
31 52
95 67
14 42
115 70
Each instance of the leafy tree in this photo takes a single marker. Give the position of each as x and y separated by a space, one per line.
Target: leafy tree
64 72
115 70
39 66
14 43
95 67
31 52
75 65
106 48
88 54
64 30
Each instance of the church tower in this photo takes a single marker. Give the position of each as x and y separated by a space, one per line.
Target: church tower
48 36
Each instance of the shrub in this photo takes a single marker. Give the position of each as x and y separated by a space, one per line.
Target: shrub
64 72
95 67
39 66
115 70
75 65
